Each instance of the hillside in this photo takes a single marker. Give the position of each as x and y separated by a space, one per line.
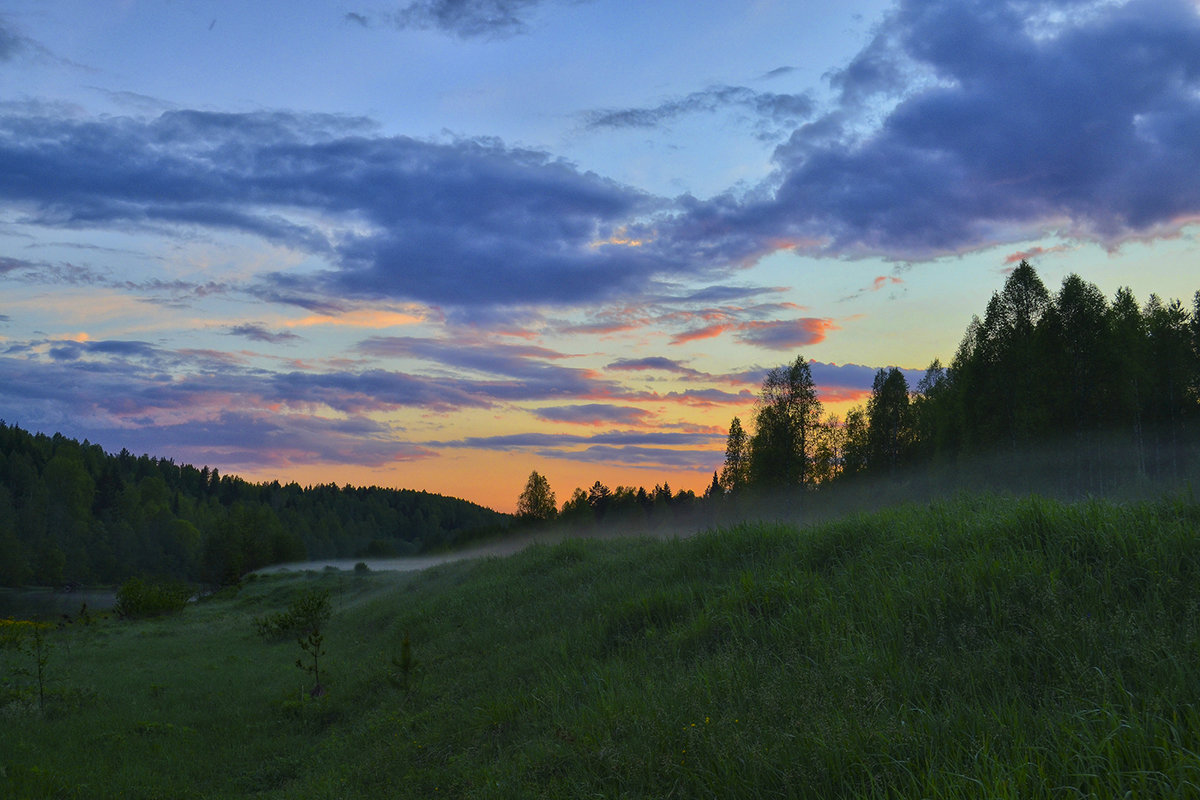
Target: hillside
985 646
70 512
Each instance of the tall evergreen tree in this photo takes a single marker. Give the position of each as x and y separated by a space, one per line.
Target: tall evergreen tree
736 470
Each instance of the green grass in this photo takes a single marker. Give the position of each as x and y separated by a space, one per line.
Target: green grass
981 647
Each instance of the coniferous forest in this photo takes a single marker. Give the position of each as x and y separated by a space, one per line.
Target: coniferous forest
71 513
1065 393
1061 392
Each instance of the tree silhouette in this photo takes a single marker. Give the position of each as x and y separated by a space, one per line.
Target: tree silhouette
736 471
537 502
788 413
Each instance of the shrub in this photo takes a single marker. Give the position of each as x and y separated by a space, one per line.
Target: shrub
305 615
141 598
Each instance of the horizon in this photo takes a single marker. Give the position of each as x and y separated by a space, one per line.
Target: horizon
444 245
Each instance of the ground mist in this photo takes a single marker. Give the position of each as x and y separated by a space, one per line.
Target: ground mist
977 646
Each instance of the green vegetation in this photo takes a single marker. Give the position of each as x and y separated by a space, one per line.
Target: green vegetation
1091 378
141 598
982 647
72 514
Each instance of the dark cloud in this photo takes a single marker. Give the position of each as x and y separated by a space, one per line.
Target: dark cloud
521 441
784 334
779 72
964 123
524 370
774 335
11 43
652 363
652 458
256 441
777 108
175 292
410 219
489 19
594 414
1010 119
663 450
708 398
356 18
10 265
259 333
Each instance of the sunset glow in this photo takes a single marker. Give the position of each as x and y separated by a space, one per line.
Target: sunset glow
323 245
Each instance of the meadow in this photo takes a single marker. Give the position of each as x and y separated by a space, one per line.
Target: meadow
981 646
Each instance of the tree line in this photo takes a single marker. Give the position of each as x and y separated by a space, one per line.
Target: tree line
72 513
1063 392
1103 390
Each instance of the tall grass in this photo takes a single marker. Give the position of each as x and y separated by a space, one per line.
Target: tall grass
985 646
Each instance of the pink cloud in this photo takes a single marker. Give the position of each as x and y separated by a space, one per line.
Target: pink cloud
708 332
1033 252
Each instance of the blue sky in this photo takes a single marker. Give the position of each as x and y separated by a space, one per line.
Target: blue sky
439 244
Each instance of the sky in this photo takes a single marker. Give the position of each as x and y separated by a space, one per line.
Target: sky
440 244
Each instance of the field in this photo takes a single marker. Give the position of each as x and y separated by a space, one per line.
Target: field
984 646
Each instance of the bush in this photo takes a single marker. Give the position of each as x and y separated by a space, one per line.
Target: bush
304 616
140 598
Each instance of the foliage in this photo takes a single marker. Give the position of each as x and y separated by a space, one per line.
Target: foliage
1068 370
27 639
537 502
785 421
71 513
137 598
304 616
735 473
985 646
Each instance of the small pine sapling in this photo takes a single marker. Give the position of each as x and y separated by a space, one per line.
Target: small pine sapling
314 646
404 665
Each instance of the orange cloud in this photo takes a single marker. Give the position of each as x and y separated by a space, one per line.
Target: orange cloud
364 318
1033 252
707 332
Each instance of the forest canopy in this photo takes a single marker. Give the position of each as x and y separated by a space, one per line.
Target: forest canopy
72 513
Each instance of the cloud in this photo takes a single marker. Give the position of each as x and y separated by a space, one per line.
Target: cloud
356 18
259 333
785 334
968 123
776 335
173 292
1034 252
650 449
706 332
1090 125
9 265
657 363
491 19
880 282
962 124
523 369
594 414
11 43
841 382
392 217
779 108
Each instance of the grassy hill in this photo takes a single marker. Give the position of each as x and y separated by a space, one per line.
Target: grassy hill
985 646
